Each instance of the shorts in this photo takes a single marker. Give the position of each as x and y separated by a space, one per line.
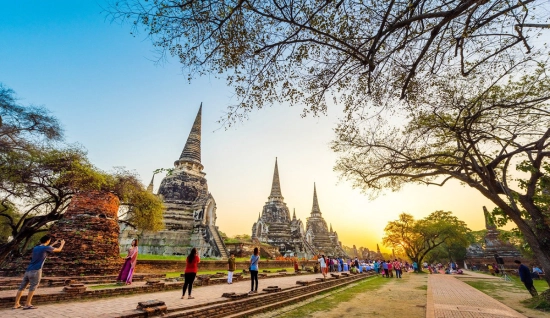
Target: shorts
31 277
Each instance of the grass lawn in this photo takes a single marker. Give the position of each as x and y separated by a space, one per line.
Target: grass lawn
273 270
331 301
105 286
146 257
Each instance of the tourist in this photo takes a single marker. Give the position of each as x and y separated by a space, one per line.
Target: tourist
386 269
230 268
537 272
296 268
254 260
491 269
495 266
415 267
390 268
376 267
127 271
33 274
191 269
397 267
341 264
322 265
525 276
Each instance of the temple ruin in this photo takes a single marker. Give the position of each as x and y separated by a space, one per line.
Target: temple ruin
190 215
323 239
90 230
276 228
481 254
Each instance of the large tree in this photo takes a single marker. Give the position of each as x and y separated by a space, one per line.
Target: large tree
422 83
417 238
38 178
305 52
473 131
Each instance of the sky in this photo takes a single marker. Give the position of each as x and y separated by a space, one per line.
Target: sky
113 99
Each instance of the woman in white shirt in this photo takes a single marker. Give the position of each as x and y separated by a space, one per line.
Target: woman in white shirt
323 264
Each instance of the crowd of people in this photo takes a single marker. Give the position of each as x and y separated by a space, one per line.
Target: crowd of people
325 265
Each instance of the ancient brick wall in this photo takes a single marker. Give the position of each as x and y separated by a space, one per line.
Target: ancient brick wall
90 229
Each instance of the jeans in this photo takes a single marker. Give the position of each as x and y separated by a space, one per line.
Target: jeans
189 278
386 272
398 273
253 278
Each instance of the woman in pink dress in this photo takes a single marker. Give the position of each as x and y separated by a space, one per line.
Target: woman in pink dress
127 271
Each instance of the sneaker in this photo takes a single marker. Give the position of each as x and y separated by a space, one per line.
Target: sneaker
251 292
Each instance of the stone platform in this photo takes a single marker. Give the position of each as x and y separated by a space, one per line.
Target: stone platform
208 301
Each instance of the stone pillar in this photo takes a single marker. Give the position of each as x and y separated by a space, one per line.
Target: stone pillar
90 230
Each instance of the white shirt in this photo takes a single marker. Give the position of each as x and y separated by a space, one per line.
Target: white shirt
322 262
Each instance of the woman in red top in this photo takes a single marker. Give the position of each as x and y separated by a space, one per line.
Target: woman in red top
191 269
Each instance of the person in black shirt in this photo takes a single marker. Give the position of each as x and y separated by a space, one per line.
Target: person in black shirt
525 276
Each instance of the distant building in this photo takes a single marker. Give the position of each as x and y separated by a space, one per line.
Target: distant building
276 228
323 239
190 215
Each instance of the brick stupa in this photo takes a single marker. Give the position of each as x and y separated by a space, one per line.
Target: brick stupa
90 230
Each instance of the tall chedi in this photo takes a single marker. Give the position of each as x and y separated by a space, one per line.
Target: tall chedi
190 215
276 228
325 241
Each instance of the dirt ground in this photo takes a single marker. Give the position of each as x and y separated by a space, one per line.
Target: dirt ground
404 297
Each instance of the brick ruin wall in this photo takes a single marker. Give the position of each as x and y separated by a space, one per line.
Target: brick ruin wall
90 230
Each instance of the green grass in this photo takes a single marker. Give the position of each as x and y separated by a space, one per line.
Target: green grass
273 270
105 286
334 298
423 287
491 288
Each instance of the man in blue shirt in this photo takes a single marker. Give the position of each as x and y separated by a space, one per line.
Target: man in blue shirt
525 276
33 274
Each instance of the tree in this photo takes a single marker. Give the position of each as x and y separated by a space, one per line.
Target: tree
417 238
441 67
307 51
38 178
473 131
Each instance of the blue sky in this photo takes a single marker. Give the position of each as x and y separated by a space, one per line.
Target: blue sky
113 99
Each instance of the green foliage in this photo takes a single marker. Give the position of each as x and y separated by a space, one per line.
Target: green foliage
142 209
417 238
241 238
38 178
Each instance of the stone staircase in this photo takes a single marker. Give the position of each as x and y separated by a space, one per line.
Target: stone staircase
219 241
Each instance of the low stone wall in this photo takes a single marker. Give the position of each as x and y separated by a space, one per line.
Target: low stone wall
157 266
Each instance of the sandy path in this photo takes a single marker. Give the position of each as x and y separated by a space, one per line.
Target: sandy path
404 297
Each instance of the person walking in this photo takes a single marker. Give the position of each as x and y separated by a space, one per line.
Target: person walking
33 274
230 268
127 272
191 269
397 267
415 267
254 260
525 276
